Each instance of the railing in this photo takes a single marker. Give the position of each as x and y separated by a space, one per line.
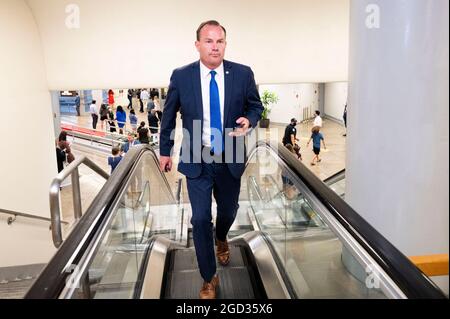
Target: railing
110 138
11 220
55 188
107 127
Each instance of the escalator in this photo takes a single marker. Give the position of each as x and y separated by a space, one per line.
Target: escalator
293 238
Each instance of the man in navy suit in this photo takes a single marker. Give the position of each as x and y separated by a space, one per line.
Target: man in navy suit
219 103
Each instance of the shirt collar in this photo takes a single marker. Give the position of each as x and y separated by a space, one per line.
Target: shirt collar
204 71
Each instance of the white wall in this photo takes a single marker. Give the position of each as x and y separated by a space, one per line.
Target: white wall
29 160
293 98
397 160
137 43
335 99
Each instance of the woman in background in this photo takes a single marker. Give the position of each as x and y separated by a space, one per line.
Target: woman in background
65 146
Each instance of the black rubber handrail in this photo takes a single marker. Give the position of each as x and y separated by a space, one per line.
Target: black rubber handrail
52 279
413 283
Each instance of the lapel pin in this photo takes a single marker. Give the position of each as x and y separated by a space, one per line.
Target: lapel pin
227 72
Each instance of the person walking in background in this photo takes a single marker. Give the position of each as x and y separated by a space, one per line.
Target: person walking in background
154 92
60 158
157 107
103 115
133 120
316 137
222 95
121 117
317 119
94 114
115 159
77 103
111 121
130 99
145 96
64 145
131 141
143 135
290 138
152 120
111 99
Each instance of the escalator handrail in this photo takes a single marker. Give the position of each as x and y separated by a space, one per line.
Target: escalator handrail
400 269
52 279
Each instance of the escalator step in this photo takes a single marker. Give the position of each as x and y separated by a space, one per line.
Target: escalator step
184 280
234 283
185 259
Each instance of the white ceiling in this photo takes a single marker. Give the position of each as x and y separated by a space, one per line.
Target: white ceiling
138 43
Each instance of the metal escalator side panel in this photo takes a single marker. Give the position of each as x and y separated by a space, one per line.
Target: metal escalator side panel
155 270
114 223
368 247
268 270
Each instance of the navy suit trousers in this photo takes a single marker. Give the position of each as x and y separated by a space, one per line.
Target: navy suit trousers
215 179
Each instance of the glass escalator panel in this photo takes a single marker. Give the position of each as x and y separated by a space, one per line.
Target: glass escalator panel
337 183
319 261
110 267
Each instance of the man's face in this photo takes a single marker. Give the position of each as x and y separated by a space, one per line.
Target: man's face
211 46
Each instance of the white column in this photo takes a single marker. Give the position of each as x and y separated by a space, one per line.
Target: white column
398 121
28 146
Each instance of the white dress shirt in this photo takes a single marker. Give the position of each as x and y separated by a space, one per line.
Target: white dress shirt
93 108
144 95
318 121
205 77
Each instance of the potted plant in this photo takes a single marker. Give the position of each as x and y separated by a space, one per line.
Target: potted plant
267 98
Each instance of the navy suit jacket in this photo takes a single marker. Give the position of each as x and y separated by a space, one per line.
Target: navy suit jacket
185 95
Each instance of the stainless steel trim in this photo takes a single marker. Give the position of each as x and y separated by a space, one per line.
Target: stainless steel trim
153 279
55 210
76 194
76 275
270 274
179 226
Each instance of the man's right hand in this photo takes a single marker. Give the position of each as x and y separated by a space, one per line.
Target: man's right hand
165 163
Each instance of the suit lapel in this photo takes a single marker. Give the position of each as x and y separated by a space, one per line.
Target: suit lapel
197 89
227 67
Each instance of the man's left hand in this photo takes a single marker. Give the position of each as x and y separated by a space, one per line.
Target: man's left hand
243 127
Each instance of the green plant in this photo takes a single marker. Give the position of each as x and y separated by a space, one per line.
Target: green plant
267 98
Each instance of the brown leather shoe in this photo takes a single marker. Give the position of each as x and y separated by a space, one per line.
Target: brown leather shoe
208 290
223 252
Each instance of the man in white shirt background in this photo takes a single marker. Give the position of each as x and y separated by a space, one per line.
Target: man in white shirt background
318 119
144 98
94 113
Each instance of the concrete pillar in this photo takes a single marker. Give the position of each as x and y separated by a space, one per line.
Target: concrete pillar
28 144
397 141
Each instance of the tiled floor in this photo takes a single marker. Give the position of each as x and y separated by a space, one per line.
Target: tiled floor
333 157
